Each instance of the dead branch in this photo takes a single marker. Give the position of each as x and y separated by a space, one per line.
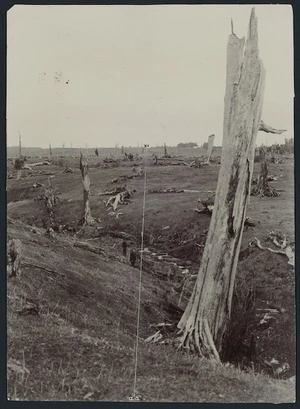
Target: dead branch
284 248
266 128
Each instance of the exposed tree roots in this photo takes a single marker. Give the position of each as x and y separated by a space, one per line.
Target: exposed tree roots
198 338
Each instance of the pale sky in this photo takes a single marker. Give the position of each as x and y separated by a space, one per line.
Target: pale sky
100 75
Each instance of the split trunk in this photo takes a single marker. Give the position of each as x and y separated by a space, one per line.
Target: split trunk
204 321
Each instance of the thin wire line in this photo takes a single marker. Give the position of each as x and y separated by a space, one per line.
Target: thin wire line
140 284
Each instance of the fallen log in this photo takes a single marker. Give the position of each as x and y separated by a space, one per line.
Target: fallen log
168 190
115 191
48 270
120 234
27 167
89 247
31 165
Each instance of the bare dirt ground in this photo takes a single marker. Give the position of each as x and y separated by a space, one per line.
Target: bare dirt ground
78 341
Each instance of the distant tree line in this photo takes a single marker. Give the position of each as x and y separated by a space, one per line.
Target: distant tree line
187 145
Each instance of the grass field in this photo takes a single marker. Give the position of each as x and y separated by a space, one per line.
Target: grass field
80 343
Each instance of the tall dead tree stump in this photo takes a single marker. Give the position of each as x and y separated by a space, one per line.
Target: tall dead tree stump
165 150
87 218
204 321
210 147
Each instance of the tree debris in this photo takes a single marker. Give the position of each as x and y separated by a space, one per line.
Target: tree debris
280 241
262 187
89 247
120 198
167 190
266 128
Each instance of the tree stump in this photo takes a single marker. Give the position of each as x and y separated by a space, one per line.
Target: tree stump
15 252
204 321
87 218
210 147
263 188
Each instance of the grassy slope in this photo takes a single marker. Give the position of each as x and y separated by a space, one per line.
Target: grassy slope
82 343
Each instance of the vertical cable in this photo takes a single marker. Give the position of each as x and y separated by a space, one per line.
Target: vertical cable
140 283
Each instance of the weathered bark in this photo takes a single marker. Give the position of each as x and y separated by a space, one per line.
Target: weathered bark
15 252
266 128
204 321
210 147
87 218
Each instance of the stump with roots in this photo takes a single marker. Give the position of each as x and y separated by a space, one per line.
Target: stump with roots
15 252
263 188
197 337
207 314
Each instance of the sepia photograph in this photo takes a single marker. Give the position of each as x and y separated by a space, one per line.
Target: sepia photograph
150 244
